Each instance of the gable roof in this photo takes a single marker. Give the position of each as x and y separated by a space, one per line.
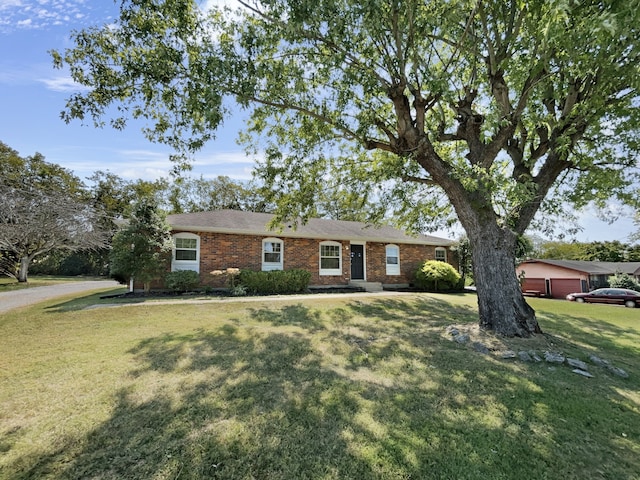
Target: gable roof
594 268
251 223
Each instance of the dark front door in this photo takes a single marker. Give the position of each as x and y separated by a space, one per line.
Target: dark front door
357 262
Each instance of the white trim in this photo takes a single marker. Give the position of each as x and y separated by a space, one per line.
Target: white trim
185 264
330 271
392 268
440 249
267 266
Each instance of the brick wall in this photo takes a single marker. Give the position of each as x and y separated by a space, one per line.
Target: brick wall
410 257
221 251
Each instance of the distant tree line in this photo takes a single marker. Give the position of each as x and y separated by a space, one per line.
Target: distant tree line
606 251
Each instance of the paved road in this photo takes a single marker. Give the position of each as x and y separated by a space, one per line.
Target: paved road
29 296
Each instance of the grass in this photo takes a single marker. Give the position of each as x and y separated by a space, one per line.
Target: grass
324 388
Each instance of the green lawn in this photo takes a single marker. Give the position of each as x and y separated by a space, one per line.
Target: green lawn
316 389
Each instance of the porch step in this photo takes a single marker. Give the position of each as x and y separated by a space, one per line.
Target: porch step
368 286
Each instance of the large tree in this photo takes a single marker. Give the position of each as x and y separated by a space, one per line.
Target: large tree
43 209
498 110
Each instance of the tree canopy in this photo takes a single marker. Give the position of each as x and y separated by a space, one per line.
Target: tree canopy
495 113
43 208
612 251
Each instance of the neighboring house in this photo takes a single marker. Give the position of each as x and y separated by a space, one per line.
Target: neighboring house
335 252
557 278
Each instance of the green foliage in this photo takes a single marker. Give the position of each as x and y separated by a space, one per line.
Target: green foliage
275 282
71 264
142 249
438 90
44 208
182 280
117 196
462 250
623 280
200 195
561 250
436 276
33 173
485 111
238 290
607 251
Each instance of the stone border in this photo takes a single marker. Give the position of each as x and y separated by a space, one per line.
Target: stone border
578 366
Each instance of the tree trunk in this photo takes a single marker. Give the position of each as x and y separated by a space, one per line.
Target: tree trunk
24 268
501 304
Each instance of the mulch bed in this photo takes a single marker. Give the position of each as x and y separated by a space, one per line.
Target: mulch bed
225 293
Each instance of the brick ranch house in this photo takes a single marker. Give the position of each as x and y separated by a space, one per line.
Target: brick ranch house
558 278
336 252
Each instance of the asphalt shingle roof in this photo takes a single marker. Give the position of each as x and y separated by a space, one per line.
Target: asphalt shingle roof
595 268
251 223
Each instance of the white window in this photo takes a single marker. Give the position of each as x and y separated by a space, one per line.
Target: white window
330 258
441 254
393 259
186 252
272 249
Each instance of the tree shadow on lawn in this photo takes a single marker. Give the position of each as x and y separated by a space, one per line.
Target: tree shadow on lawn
238 402
584 336
297 315
82 302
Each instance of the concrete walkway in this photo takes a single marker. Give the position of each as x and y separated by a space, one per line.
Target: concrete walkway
30 296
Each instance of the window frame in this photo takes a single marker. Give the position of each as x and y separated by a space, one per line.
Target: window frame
392 268
444 251
267 265
185 264
330 271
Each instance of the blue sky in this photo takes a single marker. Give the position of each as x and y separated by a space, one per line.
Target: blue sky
32 94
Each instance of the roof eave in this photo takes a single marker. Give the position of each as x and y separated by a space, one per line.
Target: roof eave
293 234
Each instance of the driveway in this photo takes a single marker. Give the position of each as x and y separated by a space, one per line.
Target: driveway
29 296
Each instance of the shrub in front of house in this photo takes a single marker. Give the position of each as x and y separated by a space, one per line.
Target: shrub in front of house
624 280
437 276
275 281
182 281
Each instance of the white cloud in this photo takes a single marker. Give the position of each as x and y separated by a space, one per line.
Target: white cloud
62 84
36 15
223 158
7 4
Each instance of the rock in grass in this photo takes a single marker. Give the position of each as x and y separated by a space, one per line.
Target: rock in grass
618 371
462 338
535 356
481 348
524 356
607 364
598 361
553 357
508 354
584 373
574 362
453 331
